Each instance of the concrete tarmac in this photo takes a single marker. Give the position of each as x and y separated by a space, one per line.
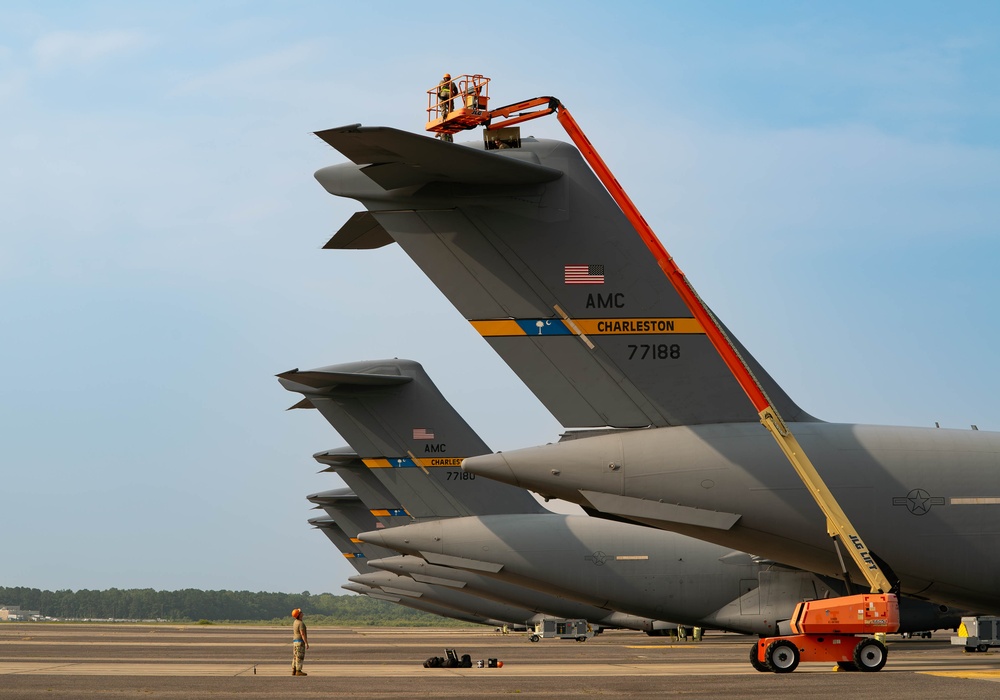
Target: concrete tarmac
39 660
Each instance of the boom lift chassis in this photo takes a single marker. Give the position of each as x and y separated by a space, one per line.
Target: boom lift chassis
823 630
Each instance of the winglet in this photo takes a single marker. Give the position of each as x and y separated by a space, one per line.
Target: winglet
326 379
393 159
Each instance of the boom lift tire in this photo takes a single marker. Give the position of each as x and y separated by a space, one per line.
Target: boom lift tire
757 665
534 638
782 656
870 655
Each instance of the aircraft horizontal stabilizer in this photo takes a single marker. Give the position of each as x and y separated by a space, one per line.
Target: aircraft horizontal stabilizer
322 521
333 496
394 159
319 380
340 456
304 403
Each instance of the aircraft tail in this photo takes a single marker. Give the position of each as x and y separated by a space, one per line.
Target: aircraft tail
353 513
549 271
382 505
346 517
350 547
408 435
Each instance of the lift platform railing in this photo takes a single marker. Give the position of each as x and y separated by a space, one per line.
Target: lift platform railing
464 108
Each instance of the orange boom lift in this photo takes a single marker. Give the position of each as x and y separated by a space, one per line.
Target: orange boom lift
822 630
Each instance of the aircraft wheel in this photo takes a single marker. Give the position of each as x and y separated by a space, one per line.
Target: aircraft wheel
870 655
534 638
757 665
781 656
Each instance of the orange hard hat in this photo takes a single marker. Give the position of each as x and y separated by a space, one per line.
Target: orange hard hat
296 612
447 76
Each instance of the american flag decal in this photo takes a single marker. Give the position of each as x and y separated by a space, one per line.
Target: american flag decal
583 274
423 434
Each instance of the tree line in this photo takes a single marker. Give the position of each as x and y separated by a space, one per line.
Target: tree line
192 604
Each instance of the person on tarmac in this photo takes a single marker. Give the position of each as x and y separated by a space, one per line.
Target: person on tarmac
300 642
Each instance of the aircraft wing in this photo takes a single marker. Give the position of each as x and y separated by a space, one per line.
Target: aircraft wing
394 159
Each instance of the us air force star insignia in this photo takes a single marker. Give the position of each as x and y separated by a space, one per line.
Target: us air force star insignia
598 558
918 501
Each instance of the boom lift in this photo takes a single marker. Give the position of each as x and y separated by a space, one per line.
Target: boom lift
822 630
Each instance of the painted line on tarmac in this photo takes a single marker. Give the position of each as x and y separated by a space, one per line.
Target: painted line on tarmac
389 671
973 675
37 668
664 646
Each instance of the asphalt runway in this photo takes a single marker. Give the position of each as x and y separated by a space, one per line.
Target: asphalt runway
41 660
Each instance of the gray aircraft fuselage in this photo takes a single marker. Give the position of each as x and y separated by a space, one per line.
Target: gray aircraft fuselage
420 570
567 566
416 604
627 568
472 605
345 507
612 565
532 250
928 500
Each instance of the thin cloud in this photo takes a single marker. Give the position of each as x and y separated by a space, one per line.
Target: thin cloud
254 75
66 48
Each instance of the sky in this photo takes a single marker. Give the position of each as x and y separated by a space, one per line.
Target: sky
828 177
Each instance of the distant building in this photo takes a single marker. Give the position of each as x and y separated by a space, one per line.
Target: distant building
13 613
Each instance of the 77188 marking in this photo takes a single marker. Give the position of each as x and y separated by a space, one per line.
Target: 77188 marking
654 352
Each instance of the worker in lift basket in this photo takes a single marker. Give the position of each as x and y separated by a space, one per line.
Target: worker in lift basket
446 94
299 644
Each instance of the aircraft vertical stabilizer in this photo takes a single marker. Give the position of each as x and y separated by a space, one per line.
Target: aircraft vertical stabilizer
550 272
408 435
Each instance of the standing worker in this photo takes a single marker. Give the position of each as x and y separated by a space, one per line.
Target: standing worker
300 642
446 93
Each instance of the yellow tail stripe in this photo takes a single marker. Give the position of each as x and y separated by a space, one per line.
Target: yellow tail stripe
591 326
498 327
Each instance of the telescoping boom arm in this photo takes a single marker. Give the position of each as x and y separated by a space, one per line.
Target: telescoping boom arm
838 525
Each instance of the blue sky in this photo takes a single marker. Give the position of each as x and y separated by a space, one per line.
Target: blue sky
828 178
